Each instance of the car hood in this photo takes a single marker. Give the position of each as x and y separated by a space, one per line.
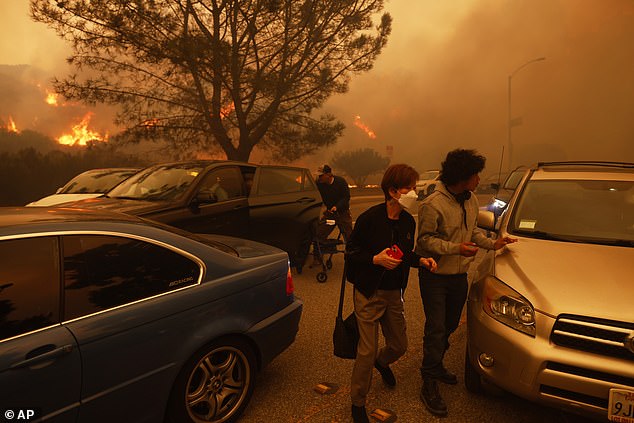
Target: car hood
244 247
565 277
55 199
135 207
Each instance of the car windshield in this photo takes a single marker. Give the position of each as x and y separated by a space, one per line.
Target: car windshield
598 211
96 181
158 183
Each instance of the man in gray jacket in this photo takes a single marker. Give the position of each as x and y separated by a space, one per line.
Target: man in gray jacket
448 233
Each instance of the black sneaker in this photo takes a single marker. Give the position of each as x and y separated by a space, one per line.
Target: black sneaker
386 374
359 415
430 395
447 377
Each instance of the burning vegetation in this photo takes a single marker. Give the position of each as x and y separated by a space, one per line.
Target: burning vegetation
359 124
81 135
10 126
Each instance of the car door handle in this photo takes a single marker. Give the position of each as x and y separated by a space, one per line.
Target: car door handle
305 200
43 353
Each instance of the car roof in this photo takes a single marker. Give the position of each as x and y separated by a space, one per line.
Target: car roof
576 170
35 216
208 163
112 169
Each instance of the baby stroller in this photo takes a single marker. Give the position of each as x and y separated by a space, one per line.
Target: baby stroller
328 247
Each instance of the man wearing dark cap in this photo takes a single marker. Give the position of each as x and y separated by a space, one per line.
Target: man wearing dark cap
336 196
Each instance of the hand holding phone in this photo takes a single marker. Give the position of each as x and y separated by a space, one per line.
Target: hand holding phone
395 252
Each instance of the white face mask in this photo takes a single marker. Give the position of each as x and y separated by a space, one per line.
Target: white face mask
408 201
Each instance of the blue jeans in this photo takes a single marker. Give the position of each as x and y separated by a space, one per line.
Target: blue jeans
443 298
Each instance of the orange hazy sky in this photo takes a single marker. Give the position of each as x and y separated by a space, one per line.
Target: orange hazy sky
441 82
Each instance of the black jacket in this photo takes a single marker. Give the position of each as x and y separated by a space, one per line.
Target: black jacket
335 194
372 234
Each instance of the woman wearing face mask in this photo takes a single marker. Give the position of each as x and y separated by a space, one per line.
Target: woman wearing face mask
379 255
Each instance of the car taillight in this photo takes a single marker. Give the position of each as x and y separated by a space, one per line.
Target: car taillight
290 288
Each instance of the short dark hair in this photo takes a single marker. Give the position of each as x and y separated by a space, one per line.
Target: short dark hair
460 165
324 170
398 176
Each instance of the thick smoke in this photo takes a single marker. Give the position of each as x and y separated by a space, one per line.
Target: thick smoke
442 82
427 96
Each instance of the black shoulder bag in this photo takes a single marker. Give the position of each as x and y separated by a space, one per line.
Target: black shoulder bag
346 334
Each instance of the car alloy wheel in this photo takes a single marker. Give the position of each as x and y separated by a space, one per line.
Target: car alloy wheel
216 385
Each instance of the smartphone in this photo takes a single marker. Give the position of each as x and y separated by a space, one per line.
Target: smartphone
395 252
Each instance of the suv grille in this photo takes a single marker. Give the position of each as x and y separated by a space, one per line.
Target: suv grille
598 336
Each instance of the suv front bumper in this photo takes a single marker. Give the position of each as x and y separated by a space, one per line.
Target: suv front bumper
538 370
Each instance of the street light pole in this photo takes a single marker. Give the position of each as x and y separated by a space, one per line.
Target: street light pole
510 118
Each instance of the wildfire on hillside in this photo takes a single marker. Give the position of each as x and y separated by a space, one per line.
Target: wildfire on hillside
359 124
81 135
51 98
10 127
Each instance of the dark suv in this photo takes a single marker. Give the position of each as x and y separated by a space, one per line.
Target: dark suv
277 205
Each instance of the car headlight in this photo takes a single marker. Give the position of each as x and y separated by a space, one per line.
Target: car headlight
507 306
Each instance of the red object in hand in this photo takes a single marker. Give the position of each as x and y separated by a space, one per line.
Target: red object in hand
395 252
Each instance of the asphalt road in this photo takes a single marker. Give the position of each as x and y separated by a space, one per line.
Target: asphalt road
285 388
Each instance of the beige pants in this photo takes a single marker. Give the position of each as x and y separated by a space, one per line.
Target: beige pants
384 308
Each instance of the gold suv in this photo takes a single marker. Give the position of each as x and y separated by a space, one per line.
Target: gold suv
552 317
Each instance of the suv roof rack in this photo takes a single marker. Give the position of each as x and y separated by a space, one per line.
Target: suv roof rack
588 163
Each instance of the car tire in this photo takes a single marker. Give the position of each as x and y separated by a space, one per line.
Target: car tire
215 385
472 379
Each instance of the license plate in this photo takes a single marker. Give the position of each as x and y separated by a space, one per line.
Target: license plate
621 406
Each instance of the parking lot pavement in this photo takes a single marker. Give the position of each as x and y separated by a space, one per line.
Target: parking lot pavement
285 389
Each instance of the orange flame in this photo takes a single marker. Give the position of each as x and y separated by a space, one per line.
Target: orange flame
149 123
11 126
359 124
81 135
51 98
225 111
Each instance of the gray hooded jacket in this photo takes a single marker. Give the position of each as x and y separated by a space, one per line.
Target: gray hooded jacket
441 230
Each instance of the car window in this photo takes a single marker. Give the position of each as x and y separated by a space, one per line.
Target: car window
279 181
514 179
101 272
603 210
29 285
309 184
159 183
223 184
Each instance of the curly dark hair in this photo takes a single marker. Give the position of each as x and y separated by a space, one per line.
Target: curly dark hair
398 176
460 165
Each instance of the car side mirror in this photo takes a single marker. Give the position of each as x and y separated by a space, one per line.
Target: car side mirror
204 197
486 220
